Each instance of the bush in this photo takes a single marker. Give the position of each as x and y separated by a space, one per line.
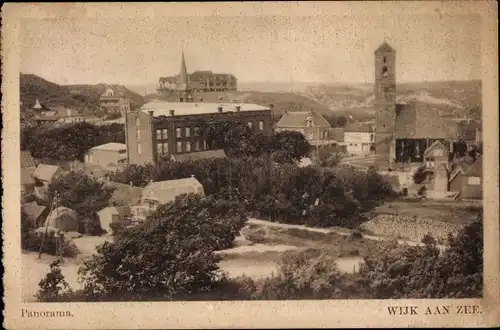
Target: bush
53 285
34 241
117 228
420 175
168 256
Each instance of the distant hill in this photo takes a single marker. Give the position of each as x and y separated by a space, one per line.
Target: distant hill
456 96
79 97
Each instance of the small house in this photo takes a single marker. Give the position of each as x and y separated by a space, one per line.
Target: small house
46 173
63 218
163 192
35 212
468 180
114 214
435 155
359 138
311 124
105 154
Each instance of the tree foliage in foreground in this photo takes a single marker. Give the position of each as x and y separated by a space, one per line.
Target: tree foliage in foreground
169 255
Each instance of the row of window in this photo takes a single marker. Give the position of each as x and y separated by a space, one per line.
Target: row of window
181 146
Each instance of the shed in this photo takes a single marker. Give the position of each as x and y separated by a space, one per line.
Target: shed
63 218
164 192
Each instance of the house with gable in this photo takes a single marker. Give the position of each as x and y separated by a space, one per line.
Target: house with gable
114 101
311 124
163 192
44 174
467 180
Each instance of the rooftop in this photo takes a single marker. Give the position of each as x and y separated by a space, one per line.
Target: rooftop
299 119
358 127
112 146
161 108
166 191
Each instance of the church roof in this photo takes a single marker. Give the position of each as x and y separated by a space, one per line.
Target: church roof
422 121
384 48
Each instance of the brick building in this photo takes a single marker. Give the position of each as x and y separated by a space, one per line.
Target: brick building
199 81
163 128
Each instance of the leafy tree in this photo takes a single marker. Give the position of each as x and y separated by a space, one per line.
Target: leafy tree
168 256
27 226
424 272
80 192
53 285
291 145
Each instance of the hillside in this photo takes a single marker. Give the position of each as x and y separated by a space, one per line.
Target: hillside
281 101
79 97
456 96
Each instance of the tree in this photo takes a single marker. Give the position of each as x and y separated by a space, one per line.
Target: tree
53 285
422 272
169 255
291 146
80 192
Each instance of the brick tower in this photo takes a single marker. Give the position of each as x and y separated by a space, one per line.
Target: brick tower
385 103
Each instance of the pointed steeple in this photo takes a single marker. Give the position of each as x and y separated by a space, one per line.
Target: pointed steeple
183 81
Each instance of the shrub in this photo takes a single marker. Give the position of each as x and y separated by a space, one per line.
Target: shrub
428 239
168 256
34 241
53 285
117 228
420 175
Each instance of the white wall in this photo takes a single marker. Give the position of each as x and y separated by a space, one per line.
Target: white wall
358 142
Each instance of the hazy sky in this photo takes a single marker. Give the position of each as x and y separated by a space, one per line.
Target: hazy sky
266 48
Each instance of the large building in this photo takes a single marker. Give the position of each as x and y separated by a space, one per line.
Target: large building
113 101
160 129
405 131
198 81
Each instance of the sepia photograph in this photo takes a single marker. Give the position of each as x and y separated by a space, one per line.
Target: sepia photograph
277 157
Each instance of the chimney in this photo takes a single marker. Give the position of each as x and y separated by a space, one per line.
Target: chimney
238 108
151 113
219 108
172 113
271 106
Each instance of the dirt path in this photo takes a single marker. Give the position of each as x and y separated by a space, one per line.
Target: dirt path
342 232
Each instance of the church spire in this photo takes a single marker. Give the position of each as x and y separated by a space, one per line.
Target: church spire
183 83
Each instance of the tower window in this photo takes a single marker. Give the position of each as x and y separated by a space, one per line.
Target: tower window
385 59
384 72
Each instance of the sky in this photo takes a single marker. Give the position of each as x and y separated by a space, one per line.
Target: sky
323 49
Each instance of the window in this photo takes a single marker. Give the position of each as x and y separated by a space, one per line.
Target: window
372 137
474 180
187 131
196 131
165 134
384 72
188 146
159 148
261 125
438 153
249 124
178 132
137 121
165 147
179 146
139 150
138 133
204 144
196 145
158 134
385 59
